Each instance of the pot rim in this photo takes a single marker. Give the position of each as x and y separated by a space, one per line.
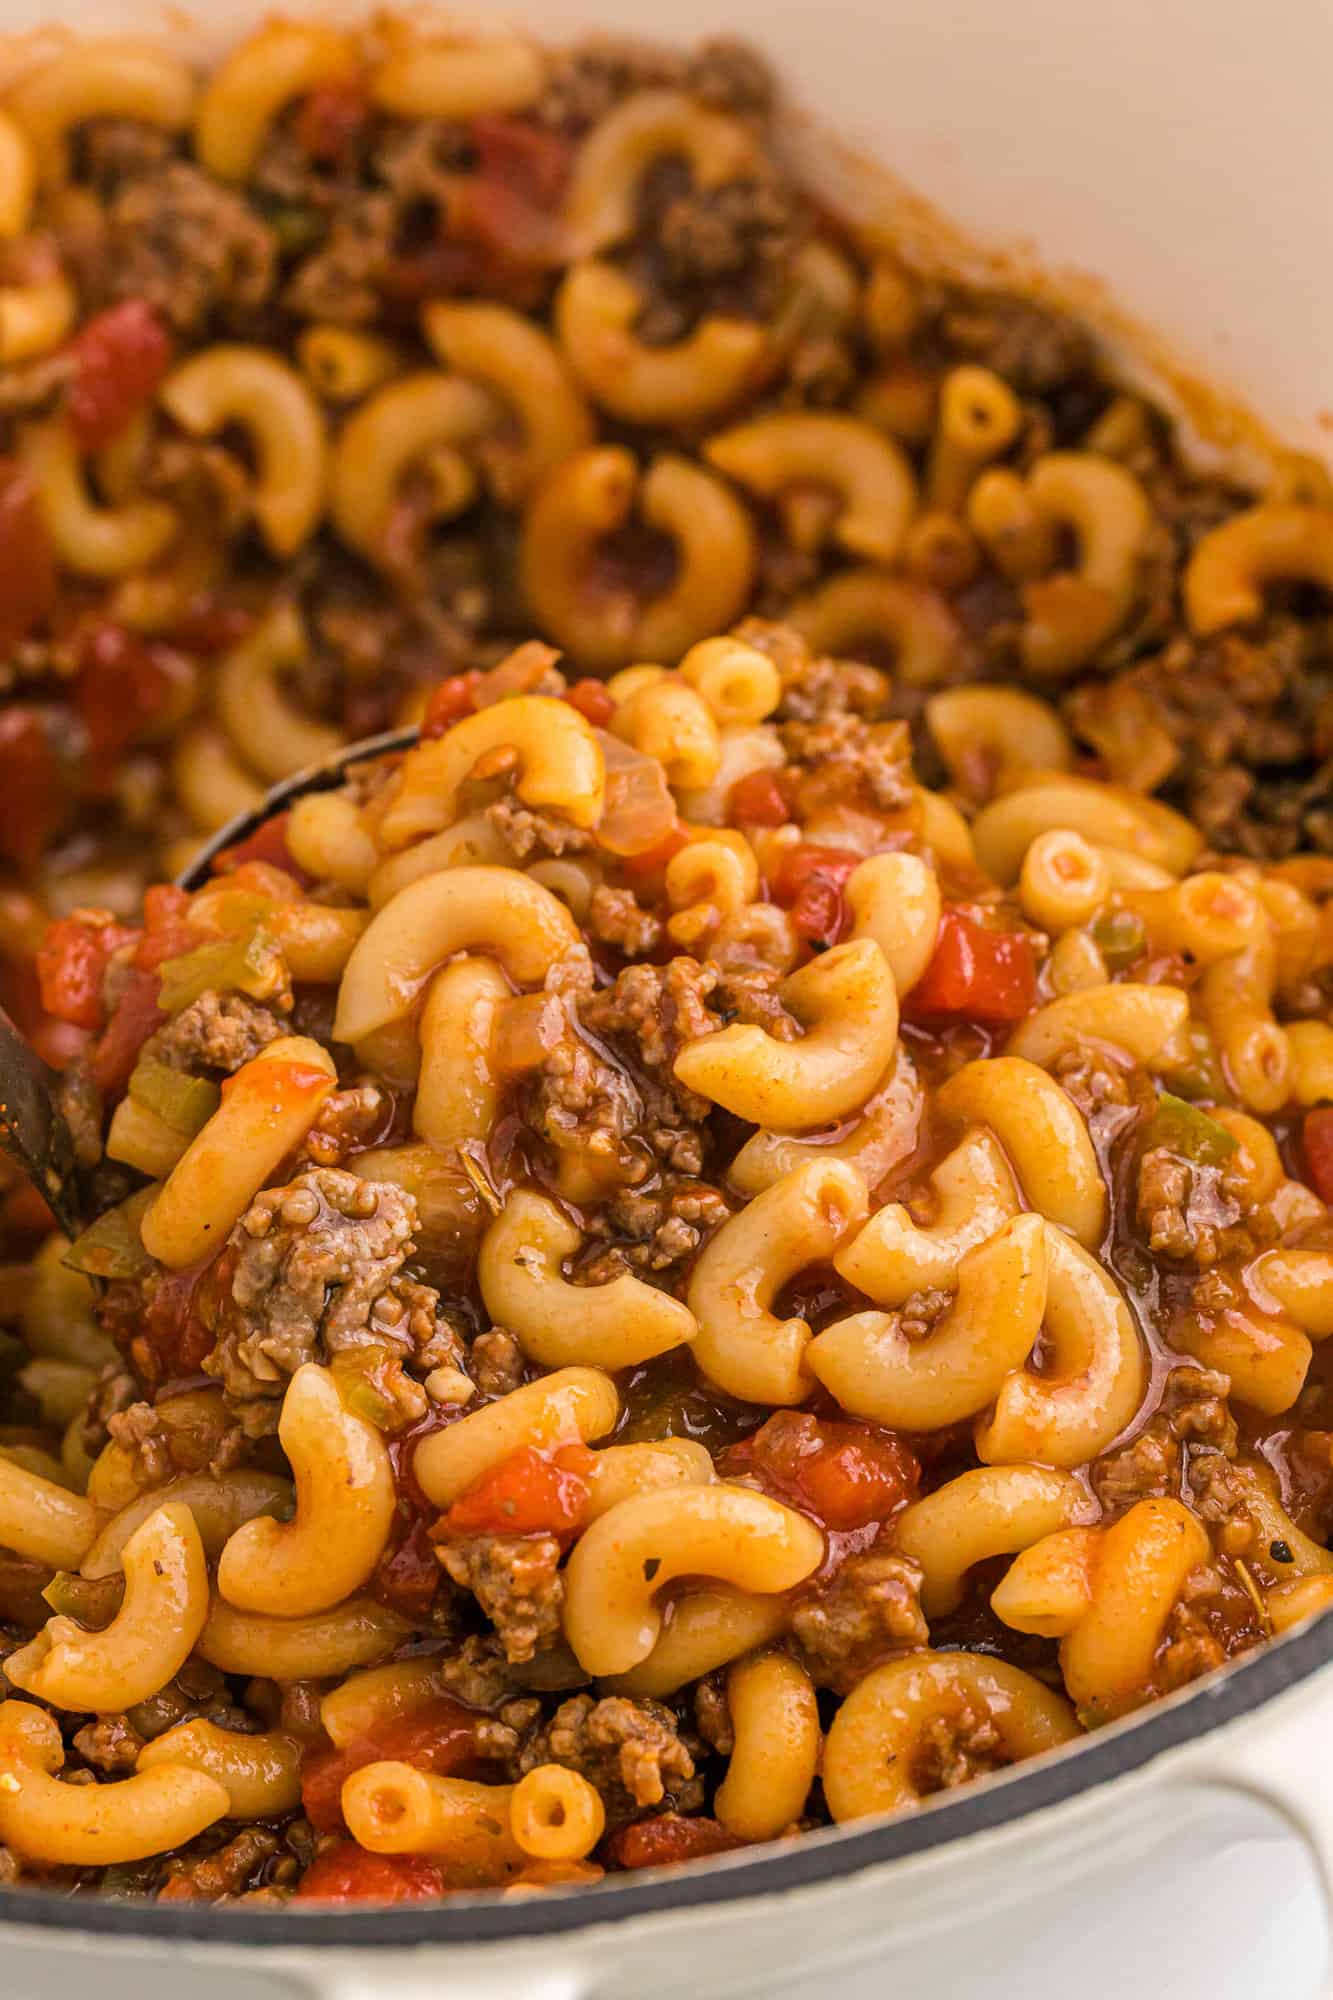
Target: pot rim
812 1861
778 1868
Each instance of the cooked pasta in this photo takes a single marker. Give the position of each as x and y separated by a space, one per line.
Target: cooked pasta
740 1231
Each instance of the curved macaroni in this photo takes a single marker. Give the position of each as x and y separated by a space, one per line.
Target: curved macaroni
742 1345
560 1324
345 1500
849 1003
626 1555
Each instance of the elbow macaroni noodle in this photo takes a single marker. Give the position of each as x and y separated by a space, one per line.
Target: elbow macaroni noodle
755 1134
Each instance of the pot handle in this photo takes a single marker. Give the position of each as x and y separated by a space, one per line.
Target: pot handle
1271 1756
426 1974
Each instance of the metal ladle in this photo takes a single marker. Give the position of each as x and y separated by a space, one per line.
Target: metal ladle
34 1131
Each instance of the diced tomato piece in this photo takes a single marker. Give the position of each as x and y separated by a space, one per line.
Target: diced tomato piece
136 1017
844 1474
331 121
120 356
125 685
529 1493
653 859
1317 1141
176 1328
441 1738
450 702
348 1874
267 843
528 160
208 626
592 701
757 800
31 790
72 964
657 1843
976 974
811 883
167 932
27 557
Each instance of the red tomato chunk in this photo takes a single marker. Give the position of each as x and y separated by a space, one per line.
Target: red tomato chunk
657 1843
845 1475
1317 1139
125 685
450 702
530 162
757 800
136 1017
71 966
442 1738
348 1874
27 557
120 356
811 883
29 786
330 123
529 1493
592 701
267 843
976 974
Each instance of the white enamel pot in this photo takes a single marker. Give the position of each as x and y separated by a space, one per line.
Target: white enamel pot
1183 153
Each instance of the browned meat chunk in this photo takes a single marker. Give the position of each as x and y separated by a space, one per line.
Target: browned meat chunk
1032 346
216 1031
870 1607
318 1270
630 1750
730 76
581 1103
1184 1208
532 834
654 1232
1193 1411
616 918
122 149
227 1872
515 1579
958 1747
340 281
110 1743
194 251
496 1364
587 81
348 1122
724 249
851 760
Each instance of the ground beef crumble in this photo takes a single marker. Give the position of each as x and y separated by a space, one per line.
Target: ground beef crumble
1187 1212
869 1608
630 1750
1194 1412
218 1031
318 1270
530 834
515 1579
849 761
653 1232
496 1363
225 1873
110 1743
193 250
